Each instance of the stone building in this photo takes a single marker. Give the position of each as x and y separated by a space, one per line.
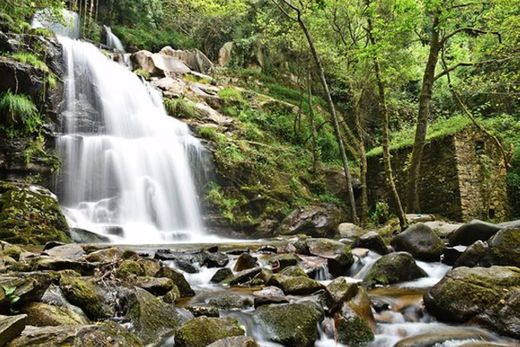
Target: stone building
462 177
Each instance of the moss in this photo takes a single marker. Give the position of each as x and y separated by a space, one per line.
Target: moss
181 108
31 59
81 292
36 154
142 73
231 96
203 331
353 331
129 268
29 216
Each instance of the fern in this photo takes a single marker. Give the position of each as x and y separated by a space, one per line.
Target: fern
16 109
31 59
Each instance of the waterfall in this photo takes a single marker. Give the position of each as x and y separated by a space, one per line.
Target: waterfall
125 162
68 25
112 40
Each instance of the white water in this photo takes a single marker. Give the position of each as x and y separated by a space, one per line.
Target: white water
112 40
126 163
68 25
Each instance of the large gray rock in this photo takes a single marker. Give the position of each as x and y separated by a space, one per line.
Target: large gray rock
194 59
297 285
420 241
445 334
42 314
298 331
225 54
394 268
473 231
373 241
505 247
489 296
339 256
473 255
315 220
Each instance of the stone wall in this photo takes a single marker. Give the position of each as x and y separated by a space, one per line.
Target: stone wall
461 177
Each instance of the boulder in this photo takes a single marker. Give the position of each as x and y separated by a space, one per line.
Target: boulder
245 261
152 319
27 286
339 256
293 271
221 275
451 334
58 264
473 255
30 215
243 276
41 314
451 254
269 295
489 296
230 301
143 60
443 229
194 59
168 65
341 290
11 327
236 341
473 231
82 292
202 331
315 220
71 251
104 334
157 286
224 54
394 268
215 259
298 331
349 231
373 241
128 268
505 247
281 261
178 279
107 255
420 241
86 236
202 310
298 285
352 329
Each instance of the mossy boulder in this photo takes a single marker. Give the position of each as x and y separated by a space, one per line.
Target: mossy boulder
341 290
489 296
421 241
230 301
129 268
152 318
41 314
297 285
235 341
394 268
373 241
294 271
221 275
339 256
352 329
292 325
202 331
178 279
156 285
473 231
505 247
30 215
82 292
106 255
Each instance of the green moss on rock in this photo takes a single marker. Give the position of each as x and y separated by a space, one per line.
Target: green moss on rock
30 215
203 331
81 292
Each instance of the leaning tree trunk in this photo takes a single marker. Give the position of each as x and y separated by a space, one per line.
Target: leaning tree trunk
383 114
422 119
363 166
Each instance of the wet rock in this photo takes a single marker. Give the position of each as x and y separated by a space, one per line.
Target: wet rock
362 306
152 319
245 261
231 301
490 296
30 215
107 255
155 285
185 266
339 256
128 268
172 296
298 246
446 334
238 251
473 255
349 231
373 241
236 341
341 290
178 279
313 265
442 229
299 285
11 327
394 268
267 249
243 276
282 261
269 295
150 267
221 275
451 254
87 236
215 259
202 331
473 231
71 251
81 292
298 331
420 241
208 311
42 314
104 334
293 271
317 221
58 264
352 330
28 286
505 247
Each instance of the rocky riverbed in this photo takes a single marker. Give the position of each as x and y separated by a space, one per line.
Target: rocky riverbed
296 291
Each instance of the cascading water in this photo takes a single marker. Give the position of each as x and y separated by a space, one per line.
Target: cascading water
112 40
126 167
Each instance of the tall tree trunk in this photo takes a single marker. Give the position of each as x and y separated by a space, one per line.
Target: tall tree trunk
332 109
425 97
383 115
315 154
362 163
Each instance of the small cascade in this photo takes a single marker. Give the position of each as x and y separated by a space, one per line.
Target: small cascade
112 41
126 163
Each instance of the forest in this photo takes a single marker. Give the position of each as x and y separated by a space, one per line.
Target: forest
260 173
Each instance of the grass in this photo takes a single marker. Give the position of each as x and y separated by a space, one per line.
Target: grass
19 114
30 59
142 73
181 108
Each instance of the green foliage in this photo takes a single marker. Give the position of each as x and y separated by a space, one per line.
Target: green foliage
31 59
142 37
12 298
381 213
181 108
142 73
231 95
226 205
19 115
35 153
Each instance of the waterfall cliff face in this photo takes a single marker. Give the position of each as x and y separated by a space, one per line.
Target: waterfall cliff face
125 163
